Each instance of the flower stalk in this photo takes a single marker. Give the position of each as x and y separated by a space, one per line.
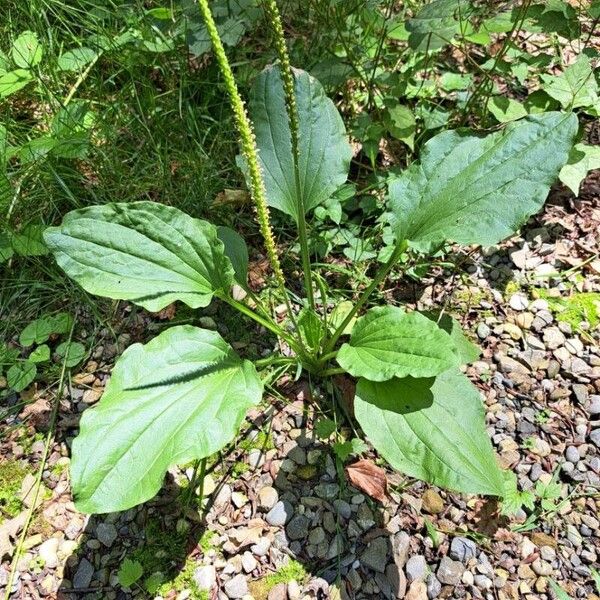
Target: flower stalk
247 143
287 77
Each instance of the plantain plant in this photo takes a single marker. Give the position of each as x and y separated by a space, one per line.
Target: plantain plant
183 395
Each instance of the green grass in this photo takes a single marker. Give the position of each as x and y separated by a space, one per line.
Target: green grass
12 473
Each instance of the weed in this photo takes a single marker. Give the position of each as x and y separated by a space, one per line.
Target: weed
12 473
292 570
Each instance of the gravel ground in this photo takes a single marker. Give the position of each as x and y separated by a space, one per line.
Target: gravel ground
283 523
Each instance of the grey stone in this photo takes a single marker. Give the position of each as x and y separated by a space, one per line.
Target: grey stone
375 556
280 514
462 549
342 508
249 563
510 365
205 577
48 551
581 393
316 536
397 580
518 302
297 528
278 592
594 406
327 491
572 454
83 574
106 533
261 547
267 497
483 331
553 338
450 571
416 568
400 548
595 437
236 587
483 582
434 587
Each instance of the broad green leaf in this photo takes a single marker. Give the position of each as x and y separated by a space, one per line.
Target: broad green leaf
502 22
71 130
465 350
71 353
506 109
237 252
582 160
400 122
36 149
40 354
76 59
339 313
552 16
479 190
20 375
324 149
432 429
129 572
575 87
436 24
540 102
389 342
26 50
38 331
145 252
312 328
324 427
4 63
6 250
178 398
455 81
232 18
29 241
13 81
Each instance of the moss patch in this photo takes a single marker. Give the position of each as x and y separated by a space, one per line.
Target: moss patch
185 581
261 441
11 475
163 550
293 570
576 309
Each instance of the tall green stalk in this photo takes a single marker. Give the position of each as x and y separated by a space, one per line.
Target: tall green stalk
248 147
287 76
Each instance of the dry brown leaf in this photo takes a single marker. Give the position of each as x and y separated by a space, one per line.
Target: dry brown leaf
232 197
368 477
167 313
38 413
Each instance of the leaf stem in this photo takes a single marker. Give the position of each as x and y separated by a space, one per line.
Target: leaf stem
273 360
248 147
287 76
332 371
327 357
379 277
265 322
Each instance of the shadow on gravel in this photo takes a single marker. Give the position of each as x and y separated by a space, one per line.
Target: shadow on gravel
318 527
